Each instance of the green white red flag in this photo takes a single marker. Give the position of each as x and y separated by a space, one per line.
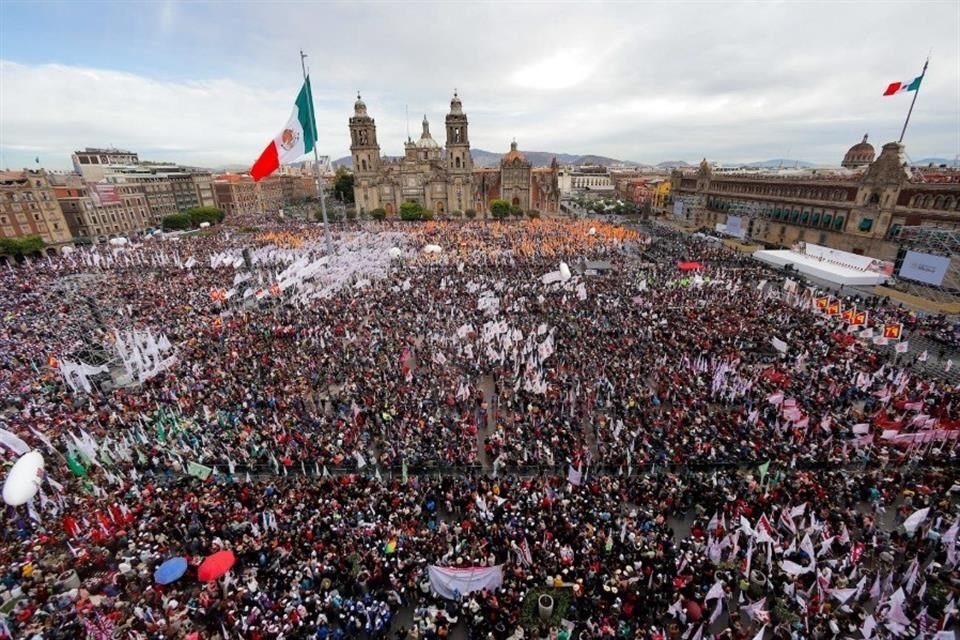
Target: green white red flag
297 137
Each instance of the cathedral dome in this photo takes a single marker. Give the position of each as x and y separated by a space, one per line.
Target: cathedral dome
514 153
426 141
859 154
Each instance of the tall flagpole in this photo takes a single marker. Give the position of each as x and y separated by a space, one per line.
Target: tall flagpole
914 101
316 156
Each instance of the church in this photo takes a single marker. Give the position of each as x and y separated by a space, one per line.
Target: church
443 180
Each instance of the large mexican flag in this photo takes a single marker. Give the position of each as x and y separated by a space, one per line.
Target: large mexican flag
296 138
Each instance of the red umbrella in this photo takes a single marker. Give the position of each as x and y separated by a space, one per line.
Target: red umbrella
216 565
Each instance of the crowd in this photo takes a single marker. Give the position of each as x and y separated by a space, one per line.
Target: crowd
671 454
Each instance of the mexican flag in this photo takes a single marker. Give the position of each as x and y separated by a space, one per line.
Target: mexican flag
296 138
903 87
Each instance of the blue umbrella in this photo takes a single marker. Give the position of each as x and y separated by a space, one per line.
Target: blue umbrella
170 571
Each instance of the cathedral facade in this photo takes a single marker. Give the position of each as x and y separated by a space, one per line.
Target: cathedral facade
444 179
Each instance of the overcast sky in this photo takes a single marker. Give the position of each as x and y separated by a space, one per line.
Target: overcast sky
211 83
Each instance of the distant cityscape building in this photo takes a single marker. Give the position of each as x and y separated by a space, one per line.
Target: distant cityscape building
93 163
237 195
859 211
96 212
29 207
442 179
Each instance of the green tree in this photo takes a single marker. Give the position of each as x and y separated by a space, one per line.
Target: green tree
379 214
456 214
533 213
198 215
516 211
343 185
470 214
426 214
21 246
499 209
411 211
177 222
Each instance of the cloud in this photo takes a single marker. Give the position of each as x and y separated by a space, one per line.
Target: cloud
730 81
56 109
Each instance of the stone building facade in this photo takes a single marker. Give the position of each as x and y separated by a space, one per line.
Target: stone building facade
29 207
858 211
444 179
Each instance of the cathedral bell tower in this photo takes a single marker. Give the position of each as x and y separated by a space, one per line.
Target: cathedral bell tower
363 141
459 162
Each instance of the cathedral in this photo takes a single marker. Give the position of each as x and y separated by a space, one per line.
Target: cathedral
443 180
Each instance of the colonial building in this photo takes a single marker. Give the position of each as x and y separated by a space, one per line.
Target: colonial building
861 211
29 207
96 212
442 179
237 195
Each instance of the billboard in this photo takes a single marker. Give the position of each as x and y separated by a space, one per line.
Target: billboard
924 267
678 207
846 259
105 193
735 226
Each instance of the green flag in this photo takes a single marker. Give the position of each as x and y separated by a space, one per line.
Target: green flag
75 466
763 470
198 470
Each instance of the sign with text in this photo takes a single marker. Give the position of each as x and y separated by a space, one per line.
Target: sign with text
924 267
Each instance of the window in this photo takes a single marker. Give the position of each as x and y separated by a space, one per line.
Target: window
838 222
815 220
866 224
805 217
894 230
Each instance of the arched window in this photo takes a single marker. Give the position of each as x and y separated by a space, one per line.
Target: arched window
363 165
938 202
915 201
874 199
456 162
948 203
927 202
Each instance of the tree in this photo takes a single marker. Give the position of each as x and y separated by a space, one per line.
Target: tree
499 209
516 211
533 213
470 214
351 214
198 215
177 222
411 211
457 214
379 214
426 214
343 185
21 246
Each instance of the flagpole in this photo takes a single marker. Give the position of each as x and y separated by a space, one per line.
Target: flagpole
316 157
914 101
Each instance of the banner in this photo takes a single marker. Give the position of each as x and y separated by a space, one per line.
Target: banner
735 226
198 470
678 208
924 267
450 581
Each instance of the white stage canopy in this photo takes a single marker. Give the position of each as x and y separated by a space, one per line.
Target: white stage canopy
817 268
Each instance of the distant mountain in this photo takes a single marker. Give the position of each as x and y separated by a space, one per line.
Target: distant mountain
925 162
780 162
483 158
673 164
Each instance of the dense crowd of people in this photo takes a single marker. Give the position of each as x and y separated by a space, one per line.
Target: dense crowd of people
670 453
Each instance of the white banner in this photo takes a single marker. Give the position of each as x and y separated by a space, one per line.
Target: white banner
450 581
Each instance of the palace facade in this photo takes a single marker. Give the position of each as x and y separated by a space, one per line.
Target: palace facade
860 208
444 179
